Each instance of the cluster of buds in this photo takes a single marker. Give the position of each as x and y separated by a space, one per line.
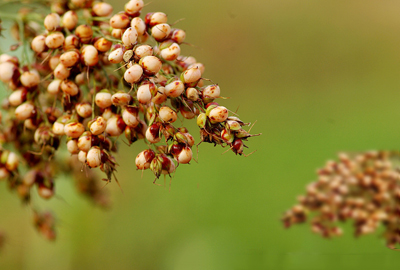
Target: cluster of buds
364 189
91 77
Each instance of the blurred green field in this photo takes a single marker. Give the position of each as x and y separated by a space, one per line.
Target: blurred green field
319 76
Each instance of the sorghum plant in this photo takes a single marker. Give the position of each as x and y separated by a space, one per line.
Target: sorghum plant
88 77
364 189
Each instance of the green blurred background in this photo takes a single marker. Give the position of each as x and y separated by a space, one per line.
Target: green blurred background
319 76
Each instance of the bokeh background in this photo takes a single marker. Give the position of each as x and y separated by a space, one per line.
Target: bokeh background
319 76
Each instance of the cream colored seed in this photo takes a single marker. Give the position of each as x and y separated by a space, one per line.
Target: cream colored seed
174 89
192 94
84 110
103 100
30 78
12 162
54 87
72 147
200 66
130 119
71 42
120 21
212 91
133 74
160 31
38 44
171 53
58 128
93 157
116 56
151 138
84 33
70 19
144 94
185 156
103 45
121 99
69 88
160 97
74 129
129 37
117 33
143 50
102 9
54 61
90 55
139 25
82 157
112 127
61 72
52 21
133 7
7 70
218 114
167 115
54 40
151 64
16 97
24 111
98 126
192 75
178 35
5 57
69 59
158 18
85 142
141 162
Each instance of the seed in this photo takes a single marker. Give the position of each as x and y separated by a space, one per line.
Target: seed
54 87
115 126
84 33
174 89
185 156
129 37
38 44
139 25
143 159
12 162
192 94
133 74
52 21
103 45
160 31
54 61
102 9
84 110
70 19
178 35
117 33
17 97
120 21
200 66
24 111
74 129
85 142
98 126
155 18
188 113
82 156
218 114
212 91
69 87
93 157
171 53
150 64
61 72
116 56
90 55
144 94
189 138
103 99
168 165
72 147
143 50
191 76
58 128
69 59
153 133
129 115
121 99
160 97
46 192
202 120
71 42
133 7
54 40
167 115
7 71
80 79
